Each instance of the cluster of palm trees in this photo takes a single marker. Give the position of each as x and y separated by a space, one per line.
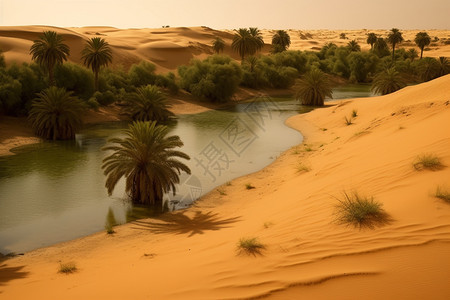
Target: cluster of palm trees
394 38
146 157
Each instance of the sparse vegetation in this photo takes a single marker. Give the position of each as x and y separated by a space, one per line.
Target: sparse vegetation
221 191
110 222
250 246
301 167
442 193
428 161
249 186
354 113
67 268
348 121
268 224
360 211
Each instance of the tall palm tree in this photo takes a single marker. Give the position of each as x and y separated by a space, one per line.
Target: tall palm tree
353 46
381 48
371 39
282 39
313 87
49 51
394 37
147 159
95 55
244 43
388 81
218 45
422 40
148 104
257 35
55 114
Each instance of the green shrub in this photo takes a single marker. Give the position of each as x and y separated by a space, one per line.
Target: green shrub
250 246
427 161
215 78
67 268
75 78
443 194
142 74
105 98
10 95
249 186
360 211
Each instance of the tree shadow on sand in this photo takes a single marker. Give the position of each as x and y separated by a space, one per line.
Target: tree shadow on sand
180 223
10 273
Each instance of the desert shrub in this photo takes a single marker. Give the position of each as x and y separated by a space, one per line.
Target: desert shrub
67 268
360 211
362 65
427 161
113 80
250 246
293 59
215 78
105 98
76 79
10 95
443 194
142 74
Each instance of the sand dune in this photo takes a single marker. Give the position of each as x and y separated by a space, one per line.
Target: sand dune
168 48
192 254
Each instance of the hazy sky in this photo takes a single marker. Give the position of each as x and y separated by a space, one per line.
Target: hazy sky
273 14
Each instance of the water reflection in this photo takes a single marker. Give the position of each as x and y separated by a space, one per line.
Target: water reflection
54 191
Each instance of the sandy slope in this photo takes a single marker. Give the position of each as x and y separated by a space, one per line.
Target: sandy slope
192 254
168 48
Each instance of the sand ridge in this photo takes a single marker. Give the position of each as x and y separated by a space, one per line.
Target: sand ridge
192 254
169 48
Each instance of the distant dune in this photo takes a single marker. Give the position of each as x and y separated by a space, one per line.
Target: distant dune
168 48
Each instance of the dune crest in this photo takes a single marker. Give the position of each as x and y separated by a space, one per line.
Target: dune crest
168 48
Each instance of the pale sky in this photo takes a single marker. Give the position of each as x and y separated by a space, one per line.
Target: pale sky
230 14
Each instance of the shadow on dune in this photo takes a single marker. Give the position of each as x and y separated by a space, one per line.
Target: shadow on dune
10 273
180 223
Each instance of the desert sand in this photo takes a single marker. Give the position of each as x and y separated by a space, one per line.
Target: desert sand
192 254
169 48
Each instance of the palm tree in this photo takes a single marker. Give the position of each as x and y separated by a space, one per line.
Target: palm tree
381 48
388 81
256 34
395 37
218 45
148 161
148 104
282 39
49 51
371 39
55 114
244 43
95 55
353 46
444 66
422 40
313 87
412 53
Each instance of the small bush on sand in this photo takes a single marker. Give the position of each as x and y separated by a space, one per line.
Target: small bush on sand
250 246
348 121
427 161
354 113
360 211
249 186
67 268
443 194
303 168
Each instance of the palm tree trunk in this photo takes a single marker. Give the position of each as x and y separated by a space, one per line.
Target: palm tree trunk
393 52
421 52
51 76
96 80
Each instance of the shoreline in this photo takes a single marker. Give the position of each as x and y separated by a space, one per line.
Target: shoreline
290 211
